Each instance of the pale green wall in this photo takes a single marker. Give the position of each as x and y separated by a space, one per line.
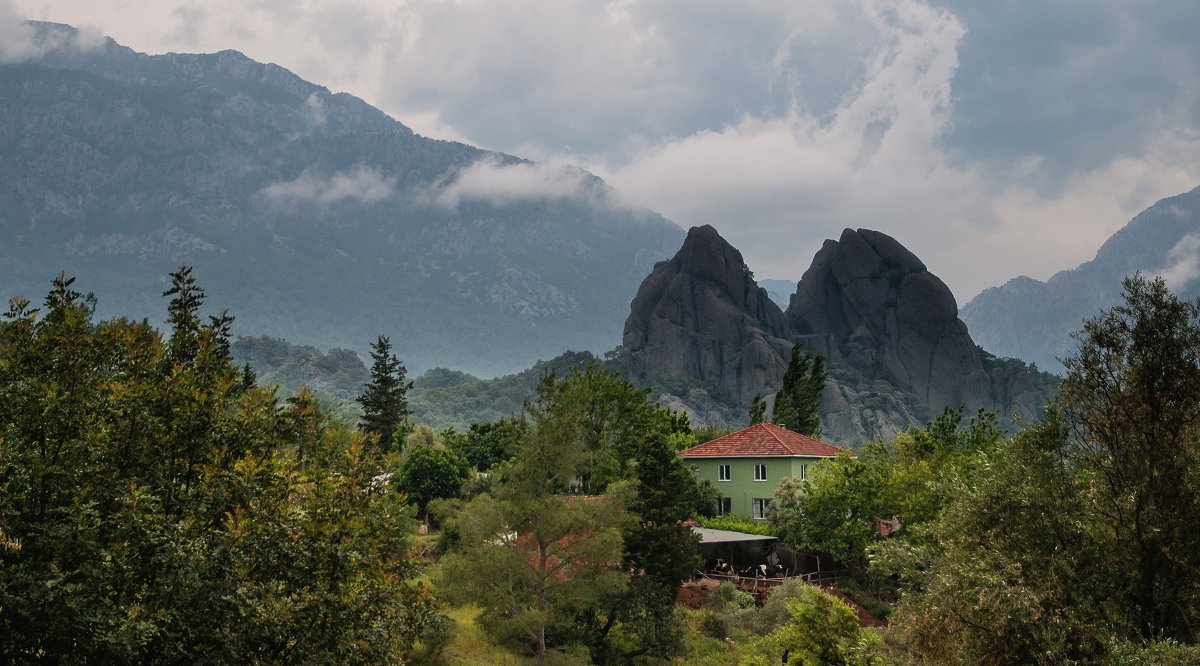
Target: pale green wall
742 488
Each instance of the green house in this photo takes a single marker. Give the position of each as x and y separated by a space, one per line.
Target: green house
746 466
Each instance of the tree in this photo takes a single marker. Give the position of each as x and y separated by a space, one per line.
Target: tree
1132 394
530 554
155 509
836 508
602 436
487 444
822 631
798 402
758 409
1015 571
1071 544
428 473
385 397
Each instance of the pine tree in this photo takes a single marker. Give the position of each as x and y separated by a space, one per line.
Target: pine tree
758 409
798 403
385 397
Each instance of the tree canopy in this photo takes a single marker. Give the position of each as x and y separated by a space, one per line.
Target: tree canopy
798 402
153 507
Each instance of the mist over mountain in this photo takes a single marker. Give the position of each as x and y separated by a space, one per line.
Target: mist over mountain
1032 320
310 215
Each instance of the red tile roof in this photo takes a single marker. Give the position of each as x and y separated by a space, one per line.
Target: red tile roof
763 439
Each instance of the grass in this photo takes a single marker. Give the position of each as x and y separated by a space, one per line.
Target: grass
471 646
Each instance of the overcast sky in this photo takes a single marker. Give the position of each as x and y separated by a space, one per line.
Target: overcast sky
992 138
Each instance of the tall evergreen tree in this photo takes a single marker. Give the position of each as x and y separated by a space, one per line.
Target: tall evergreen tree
385 397
798 403
758 409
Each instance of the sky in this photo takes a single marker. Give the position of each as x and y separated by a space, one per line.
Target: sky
993 139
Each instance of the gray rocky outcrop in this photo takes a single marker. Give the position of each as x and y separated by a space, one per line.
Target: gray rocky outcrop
701 318
895 349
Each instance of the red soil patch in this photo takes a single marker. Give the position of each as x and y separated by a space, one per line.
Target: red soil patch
694 594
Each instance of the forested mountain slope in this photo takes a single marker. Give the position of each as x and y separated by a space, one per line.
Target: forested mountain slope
311 215
1032 320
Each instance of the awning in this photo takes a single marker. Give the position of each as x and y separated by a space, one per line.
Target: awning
709 535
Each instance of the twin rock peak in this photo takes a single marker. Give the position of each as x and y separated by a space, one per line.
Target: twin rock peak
702 330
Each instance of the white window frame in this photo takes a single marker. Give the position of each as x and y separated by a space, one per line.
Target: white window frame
803 470
760 506
724 506
760 471
723 473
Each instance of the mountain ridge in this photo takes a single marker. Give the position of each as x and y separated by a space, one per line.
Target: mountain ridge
1032 320
311 215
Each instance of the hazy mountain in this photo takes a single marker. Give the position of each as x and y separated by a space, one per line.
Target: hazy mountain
1032 320
780 291
310 215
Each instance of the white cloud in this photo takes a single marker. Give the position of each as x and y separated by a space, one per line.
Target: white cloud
993 139
492 181
1184 263
777 186
20 42
361 183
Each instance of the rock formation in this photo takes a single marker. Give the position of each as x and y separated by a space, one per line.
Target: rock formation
700 316
895 348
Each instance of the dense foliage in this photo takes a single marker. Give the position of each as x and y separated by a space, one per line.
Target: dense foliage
157 507
1066 543
798 402
1073 543
593 466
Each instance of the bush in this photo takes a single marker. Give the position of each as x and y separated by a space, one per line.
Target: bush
714 625
433 640
727 597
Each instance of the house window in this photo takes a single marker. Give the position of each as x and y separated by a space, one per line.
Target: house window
760 472
760 507
804 471
722 472
724 505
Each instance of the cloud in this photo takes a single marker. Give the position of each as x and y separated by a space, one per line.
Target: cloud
498 183
882 158
992 138
1184 263
362 184
22 42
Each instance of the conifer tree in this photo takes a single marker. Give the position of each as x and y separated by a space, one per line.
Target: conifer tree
798 403
385 397
758 409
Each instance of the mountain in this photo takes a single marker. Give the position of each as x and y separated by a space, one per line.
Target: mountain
709 338
780 291
1032 320
310 215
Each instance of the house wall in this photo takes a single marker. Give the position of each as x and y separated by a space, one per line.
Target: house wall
741 487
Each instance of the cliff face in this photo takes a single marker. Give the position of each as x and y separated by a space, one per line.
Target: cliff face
871 303
895 348
701 318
